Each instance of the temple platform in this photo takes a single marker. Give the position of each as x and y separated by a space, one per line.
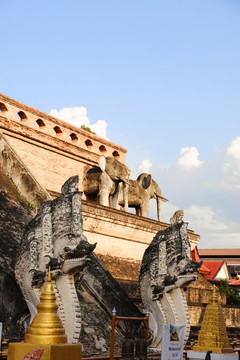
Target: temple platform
18 351
197 355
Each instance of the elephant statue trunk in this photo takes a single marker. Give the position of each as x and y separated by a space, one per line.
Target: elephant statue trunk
159 207
155 192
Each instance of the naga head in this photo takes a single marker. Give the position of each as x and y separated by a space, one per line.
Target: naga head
55 237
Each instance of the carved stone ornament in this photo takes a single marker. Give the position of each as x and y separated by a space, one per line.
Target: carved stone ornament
55 238
177 217
165 271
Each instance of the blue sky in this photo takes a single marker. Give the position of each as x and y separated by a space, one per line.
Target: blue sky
163 75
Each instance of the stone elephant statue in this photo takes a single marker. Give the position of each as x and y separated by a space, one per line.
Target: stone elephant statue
103 182
139 194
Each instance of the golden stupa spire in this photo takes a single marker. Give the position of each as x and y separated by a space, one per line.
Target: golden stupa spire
46 327
213 332
214 296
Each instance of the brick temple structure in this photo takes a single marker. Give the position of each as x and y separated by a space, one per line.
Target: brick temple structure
53 150
39 153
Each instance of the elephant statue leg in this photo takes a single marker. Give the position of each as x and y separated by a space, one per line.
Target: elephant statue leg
115 197
106 187
125 196
144 207
138 210
121 191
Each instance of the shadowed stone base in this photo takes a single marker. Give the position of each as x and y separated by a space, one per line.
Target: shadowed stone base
17 351
197 355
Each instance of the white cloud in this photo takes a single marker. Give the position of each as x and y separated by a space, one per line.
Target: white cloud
204 217
215 231
224 240
234 148
209 197
168 209
77 116
233 151
100 128
198 217
145 166
226 167
189 158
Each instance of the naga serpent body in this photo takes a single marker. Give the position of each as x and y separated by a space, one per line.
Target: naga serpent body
55 237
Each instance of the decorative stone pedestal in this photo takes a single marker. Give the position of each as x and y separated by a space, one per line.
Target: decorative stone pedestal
197 355
46 338
17 351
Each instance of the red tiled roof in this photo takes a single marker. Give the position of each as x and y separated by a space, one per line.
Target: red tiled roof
204 270
213 266
214 281
195 256
235 283
219 252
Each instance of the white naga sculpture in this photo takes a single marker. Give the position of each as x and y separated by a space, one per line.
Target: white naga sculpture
55 238
166 270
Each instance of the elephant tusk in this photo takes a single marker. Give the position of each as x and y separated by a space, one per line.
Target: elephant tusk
163 198
125 182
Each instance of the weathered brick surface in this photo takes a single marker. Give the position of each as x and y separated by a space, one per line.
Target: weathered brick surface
201 292
52 168
121 269
232 315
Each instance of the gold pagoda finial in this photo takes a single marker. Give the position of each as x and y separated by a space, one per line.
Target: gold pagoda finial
46 327
214 295
213 332
49 274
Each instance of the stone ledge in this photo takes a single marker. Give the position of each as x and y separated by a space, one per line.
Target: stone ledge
17 351
195 355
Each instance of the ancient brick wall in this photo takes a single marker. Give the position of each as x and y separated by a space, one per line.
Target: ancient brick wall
231 314
53 149
201 292
198 295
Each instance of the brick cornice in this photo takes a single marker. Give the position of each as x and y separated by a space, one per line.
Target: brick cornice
59 122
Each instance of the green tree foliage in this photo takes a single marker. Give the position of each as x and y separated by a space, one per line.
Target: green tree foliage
233 296
86 128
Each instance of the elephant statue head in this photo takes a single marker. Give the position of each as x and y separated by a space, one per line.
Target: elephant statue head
103 182
118 173
140 192
153 190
